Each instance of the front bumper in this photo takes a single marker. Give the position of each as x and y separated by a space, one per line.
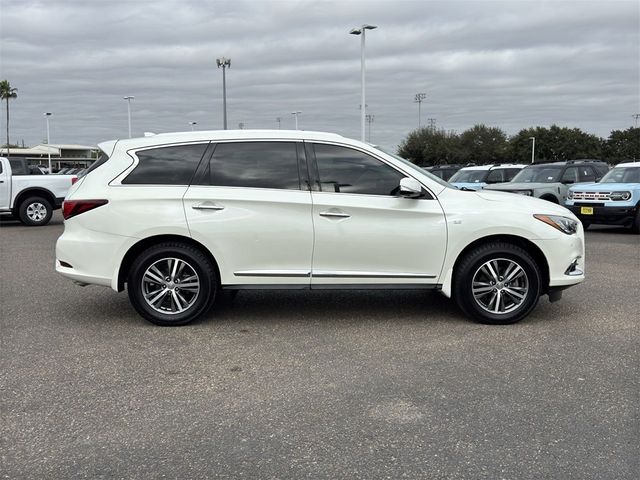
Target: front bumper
605 215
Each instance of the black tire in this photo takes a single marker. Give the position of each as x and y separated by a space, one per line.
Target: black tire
166 311
472 266
35 211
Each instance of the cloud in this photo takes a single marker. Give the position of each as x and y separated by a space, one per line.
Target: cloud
509 64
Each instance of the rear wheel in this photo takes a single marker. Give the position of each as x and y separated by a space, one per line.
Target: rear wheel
172 284
497 283
35 211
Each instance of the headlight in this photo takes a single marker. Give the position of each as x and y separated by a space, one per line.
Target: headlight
564 224
524 192
570 195
620 196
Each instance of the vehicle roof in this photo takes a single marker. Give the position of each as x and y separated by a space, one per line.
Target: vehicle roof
627 164
217 135
565 162
492 166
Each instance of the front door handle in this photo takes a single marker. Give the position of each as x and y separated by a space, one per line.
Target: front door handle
206 206
334 214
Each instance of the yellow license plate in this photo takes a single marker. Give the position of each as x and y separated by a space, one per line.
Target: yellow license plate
586 210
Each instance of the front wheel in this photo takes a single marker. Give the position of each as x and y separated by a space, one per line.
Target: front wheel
497 283
35 211
172 284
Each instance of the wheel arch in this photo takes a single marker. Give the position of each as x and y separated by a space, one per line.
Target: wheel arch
32 192
145 243
550 197
521 242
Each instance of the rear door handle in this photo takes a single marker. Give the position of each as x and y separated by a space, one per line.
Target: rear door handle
206 206
333 214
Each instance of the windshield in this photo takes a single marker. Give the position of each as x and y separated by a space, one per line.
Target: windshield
546 174
416 168
622 175
469 176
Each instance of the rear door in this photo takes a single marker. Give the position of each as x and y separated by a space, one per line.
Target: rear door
364 232
250 205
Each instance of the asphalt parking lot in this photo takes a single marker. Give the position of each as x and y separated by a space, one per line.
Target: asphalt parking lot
317 384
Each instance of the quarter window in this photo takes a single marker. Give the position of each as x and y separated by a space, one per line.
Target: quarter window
254 165
344 170
166 165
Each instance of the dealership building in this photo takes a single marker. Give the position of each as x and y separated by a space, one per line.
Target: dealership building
61 155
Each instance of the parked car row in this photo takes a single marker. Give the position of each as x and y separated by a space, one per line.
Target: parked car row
588 188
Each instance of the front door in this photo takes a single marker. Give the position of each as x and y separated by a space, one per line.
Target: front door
364 232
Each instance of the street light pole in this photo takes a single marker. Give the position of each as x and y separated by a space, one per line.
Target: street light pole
418 99
224 63
361 31
278 119
46 117
533 149
295 114
192 125
128 99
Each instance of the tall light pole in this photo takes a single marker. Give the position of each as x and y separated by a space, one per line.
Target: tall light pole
128 99
193 124
224 63
278 119
361 31
295 114
636 116
419 98
46 117
533 149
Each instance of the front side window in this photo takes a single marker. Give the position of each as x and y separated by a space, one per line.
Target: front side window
586 174
166 165
570 175
253 165
344 170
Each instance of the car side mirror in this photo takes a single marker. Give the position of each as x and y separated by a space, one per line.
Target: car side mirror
410 188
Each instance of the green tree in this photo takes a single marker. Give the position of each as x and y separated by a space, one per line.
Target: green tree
623 145
484 145
555 144
427 146
7 92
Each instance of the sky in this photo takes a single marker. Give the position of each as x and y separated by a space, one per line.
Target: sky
510 64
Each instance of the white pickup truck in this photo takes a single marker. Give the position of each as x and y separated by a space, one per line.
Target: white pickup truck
30 198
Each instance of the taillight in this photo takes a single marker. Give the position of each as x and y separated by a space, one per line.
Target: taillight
74 180
71 208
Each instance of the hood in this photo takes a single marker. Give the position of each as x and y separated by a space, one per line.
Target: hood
605 187
510 186
524 202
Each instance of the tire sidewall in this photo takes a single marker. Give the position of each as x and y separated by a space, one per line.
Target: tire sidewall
201 265
474 261
24 218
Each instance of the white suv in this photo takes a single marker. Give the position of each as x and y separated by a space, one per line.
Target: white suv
177 217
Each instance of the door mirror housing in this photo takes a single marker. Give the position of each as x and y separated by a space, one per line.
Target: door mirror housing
410 188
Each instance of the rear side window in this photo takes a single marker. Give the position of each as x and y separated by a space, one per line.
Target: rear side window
18 167
253 165
166 165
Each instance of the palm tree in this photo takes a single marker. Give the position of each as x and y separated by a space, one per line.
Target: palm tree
7 92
